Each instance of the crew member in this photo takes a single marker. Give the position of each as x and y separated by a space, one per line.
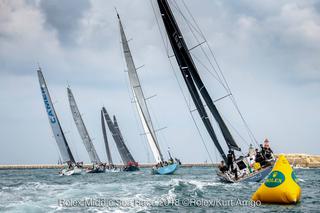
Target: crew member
222 167
268 151
230 160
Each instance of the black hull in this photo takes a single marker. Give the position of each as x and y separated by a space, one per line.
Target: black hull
131 169
97 170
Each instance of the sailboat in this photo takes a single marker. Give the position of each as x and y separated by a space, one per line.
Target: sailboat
162 167
197 90
111 166
126 156
97 167
62 143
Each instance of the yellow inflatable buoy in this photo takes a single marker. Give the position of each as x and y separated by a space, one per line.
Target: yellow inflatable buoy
281 185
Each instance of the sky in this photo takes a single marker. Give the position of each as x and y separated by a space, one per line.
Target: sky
267 50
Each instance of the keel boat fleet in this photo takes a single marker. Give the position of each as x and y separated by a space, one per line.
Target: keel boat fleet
235 166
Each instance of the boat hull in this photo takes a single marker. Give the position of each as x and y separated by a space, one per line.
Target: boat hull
131 168
96 170
254 177
69 172
165 170
113 170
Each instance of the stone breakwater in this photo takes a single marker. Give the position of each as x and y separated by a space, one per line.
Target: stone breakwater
57 166
304 160
297 160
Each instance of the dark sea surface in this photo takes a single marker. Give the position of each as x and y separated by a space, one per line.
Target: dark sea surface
190 190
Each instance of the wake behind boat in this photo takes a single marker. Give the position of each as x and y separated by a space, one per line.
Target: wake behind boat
71 171
140 101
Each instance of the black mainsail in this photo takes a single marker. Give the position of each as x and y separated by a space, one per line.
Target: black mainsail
105 138
54 121
116 134
192 79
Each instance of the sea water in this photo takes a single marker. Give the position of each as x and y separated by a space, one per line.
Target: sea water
189 190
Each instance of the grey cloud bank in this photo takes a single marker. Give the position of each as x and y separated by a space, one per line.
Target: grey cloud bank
269 52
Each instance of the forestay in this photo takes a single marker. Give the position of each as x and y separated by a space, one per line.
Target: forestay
139 98
54 122
94 158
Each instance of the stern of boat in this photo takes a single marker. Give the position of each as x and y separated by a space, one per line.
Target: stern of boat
165 170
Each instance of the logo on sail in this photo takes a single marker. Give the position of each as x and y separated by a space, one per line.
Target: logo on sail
275 179
47 105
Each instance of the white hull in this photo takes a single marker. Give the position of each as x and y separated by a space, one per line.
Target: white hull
69 172
112 170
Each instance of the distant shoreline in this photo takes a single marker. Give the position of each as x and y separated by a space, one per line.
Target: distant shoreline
59 166
297 160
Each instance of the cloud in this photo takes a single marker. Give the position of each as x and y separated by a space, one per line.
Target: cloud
65 17
269 52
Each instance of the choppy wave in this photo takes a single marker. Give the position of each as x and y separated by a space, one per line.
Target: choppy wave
40 191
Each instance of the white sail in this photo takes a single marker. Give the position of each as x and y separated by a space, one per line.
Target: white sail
54 122
140 99
94 158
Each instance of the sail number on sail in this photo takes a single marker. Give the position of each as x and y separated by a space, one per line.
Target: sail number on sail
52 118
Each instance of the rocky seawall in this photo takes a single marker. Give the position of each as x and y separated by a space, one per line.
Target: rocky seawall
303 160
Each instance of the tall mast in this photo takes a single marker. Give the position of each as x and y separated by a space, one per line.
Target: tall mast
139 98
116 134
192 78
94 158
105 138
54 121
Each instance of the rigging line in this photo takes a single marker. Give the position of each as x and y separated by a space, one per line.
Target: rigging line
176 6
180 87
236 131
55 143
208 70
165 41
200 99
56 147
204 38
226 86
193 119
72 146
193 19
130 92
157 124
202 139
213 55
194 35
251 135
194 47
